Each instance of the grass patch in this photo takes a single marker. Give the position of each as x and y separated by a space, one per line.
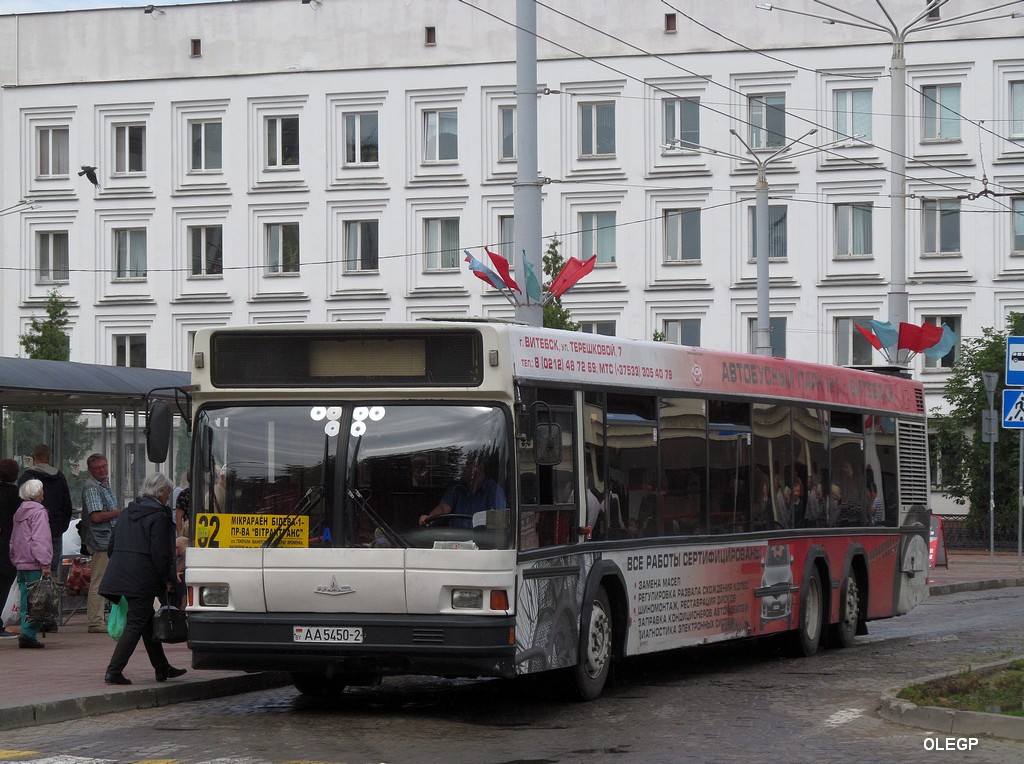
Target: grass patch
995 691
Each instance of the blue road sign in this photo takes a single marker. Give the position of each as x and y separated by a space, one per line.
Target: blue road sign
1015 361
1013 409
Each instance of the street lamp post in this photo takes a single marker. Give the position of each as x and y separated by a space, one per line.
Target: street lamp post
991 379
925 20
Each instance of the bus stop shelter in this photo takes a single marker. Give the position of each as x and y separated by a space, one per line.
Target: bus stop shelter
109 401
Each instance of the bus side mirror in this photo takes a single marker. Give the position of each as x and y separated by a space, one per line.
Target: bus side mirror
158 431
547 444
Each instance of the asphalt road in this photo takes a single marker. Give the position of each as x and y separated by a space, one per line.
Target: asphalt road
742 703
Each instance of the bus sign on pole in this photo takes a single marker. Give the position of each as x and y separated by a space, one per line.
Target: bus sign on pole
1015 361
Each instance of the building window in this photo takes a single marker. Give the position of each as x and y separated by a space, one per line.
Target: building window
682 331
776 333
440 135
682 235
52 256
361 245
130 350
852 347
206 146
949 360
776 232
282 141
941 226
361 143
53 151
682 122
1017 109
597 129
441 239
1018 225
853 229
767 118
597 236
206 250
282 248
507 118
853 113
941 112
129 148
130 253
607 328
507 234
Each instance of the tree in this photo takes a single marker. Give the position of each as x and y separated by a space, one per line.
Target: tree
48 340
956 442
556 316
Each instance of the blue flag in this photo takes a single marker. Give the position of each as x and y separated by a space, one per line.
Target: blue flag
484 273
944 345
532 285
887 333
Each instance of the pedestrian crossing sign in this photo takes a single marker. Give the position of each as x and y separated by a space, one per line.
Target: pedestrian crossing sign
1013 409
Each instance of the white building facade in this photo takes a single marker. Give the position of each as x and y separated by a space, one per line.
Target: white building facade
276 161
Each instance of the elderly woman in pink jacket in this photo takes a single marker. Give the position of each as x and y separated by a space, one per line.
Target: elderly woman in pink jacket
31 551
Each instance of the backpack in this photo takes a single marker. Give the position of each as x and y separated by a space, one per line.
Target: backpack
83 532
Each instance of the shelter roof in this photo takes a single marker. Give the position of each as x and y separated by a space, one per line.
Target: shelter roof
26 382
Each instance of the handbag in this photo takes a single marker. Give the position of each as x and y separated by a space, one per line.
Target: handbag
117 618
170 625
43 601
79 576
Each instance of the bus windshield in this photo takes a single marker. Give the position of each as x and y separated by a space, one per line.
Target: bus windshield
352 475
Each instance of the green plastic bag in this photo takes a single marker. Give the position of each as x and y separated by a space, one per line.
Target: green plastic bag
117 618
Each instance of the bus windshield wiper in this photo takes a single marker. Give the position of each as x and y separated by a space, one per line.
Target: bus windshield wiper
309 499
390 533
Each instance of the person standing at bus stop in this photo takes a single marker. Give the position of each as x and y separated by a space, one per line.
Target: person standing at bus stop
57 501
31 552
99 504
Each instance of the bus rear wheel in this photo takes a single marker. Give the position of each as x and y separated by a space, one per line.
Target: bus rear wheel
844 632
591 673
808 633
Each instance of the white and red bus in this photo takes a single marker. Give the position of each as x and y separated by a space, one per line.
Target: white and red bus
491 499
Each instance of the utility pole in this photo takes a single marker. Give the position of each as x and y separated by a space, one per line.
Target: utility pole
926 19
989 429
526 193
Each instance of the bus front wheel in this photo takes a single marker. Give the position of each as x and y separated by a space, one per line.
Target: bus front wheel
591 673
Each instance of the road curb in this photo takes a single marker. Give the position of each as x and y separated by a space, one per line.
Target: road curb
947 720
66 709
973 586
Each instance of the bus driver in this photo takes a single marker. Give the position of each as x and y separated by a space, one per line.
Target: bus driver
474 492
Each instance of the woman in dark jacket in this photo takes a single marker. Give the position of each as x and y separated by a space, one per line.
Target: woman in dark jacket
141 568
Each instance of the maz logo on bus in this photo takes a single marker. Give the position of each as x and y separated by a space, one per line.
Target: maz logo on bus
334 590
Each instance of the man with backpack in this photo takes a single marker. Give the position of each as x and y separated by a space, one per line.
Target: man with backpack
56 499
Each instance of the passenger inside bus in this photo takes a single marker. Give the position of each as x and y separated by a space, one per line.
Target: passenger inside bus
474 492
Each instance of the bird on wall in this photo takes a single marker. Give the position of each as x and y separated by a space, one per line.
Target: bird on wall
90 173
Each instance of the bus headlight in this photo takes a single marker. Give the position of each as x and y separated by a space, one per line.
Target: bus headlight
213 595
467 599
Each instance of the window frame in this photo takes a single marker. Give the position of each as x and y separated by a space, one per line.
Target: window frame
949 360
932 219
593 135
1017 224
508 141
681 117
277 261
776 338
933 110
46 154
53 277
676 330
126 349
127 257
436 258
850 113
205 150
210 267
282 138
774 219
846 222
357 138
604 239
763 134
359 262
129 160
681 229
1017 109
851 347
432 123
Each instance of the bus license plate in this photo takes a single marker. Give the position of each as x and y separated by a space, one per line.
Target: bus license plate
347 635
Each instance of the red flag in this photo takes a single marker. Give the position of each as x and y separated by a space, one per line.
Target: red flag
910 338
571 273
930 335
501 266
870 337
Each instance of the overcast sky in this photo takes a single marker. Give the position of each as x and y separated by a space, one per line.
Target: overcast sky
37 6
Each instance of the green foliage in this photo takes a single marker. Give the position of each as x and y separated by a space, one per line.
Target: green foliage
555 316
48 340
956 440
659 336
